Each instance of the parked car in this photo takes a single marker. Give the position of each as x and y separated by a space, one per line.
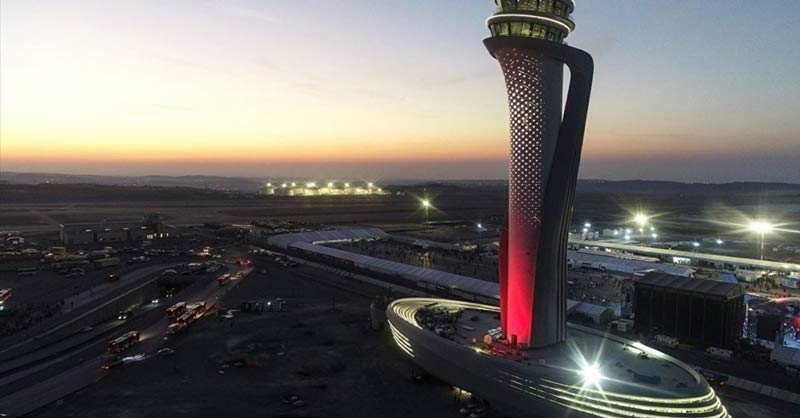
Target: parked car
166 351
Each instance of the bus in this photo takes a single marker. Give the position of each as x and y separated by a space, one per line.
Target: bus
185 320
224 279
176 310
4 295
175 328
197 309
126 341
193 312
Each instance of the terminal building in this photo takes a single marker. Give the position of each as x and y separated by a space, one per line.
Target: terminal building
151 227
696 312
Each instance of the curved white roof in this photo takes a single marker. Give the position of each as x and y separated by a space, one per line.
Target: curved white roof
321 237
406 271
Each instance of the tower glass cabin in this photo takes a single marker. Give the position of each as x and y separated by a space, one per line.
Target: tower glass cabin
541 19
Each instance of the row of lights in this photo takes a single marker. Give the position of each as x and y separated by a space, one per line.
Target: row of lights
760 227
370 185
314 184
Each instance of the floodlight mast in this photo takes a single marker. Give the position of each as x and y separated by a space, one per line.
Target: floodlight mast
527 41
762 228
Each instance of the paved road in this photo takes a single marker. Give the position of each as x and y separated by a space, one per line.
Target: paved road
131 279
744 404
87 372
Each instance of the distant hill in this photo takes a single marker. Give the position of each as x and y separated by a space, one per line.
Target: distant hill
49 193
248 185
220 183
637 187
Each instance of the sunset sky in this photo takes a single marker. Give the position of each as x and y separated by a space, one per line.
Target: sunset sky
694 91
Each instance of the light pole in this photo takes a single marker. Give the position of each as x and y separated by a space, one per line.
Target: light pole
426 204
641 220
762 228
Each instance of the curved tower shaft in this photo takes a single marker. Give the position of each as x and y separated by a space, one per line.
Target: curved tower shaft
545 151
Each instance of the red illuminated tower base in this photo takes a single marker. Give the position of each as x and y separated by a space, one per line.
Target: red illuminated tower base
545 152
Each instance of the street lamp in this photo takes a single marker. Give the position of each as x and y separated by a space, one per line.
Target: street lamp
426 204
762 228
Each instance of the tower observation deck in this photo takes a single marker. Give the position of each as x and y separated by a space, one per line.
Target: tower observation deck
527 40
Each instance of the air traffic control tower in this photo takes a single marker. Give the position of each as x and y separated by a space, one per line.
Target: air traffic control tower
527 40
523 357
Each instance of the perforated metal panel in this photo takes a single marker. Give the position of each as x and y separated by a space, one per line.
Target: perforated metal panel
527 102
534 85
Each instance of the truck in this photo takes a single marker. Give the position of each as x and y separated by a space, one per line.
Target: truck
102 263
123 342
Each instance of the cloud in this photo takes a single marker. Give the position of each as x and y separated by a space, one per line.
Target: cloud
174 107
459 78
182 62
235 10
319 89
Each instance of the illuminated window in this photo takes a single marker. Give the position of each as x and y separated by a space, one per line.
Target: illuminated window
516 28
504 29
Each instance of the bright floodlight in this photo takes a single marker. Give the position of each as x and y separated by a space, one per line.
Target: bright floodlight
370 185
696 244
587 225
761 227
480 225
640 219
330 184
719 242
591 375
426 203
